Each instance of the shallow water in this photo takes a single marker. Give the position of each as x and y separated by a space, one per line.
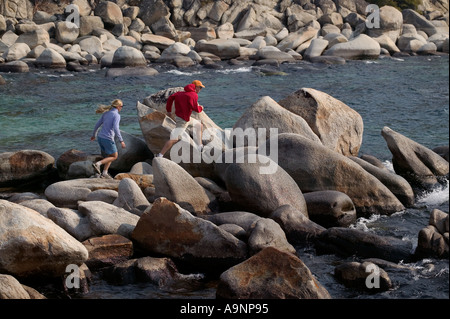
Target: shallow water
55 111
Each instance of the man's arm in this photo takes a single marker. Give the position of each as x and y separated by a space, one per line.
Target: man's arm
170 103
197 107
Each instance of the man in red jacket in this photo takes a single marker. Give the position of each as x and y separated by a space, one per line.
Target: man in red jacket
185 103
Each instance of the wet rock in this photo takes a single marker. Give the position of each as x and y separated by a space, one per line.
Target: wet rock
433 239
267 233
245 220
363 276
161 272
14 67
130 71
420 166
298 228
442 151
108 250
236 231
270 274
349 242
330 208
396 184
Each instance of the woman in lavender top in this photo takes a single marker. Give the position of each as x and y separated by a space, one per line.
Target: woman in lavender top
109 123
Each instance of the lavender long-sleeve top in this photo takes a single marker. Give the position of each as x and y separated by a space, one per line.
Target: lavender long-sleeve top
110 125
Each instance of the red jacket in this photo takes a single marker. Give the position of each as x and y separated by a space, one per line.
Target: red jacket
185 103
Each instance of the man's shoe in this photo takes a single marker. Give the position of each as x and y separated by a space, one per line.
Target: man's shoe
159 155
96 168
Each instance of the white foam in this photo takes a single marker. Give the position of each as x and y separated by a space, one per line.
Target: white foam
389 166
178 72
362 222
239 70
437 196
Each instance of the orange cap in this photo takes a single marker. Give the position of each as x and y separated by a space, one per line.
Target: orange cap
198 83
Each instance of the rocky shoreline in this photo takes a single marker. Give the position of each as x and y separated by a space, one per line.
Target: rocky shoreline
185 223
73 34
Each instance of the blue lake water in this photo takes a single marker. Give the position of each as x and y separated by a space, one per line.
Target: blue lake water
54 112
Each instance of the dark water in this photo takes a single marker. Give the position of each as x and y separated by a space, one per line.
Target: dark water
55 111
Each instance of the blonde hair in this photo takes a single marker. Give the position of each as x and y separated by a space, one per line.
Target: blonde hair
105 108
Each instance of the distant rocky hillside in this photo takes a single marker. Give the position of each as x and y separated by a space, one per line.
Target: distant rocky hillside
195 12
138 32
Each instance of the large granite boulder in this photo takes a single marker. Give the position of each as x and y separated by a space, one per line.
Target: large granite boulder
259 192
67 194
420 166
33 245
174 183
317 168
167 229
361 47
270 274
339 127
26 166
391 24
267 114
